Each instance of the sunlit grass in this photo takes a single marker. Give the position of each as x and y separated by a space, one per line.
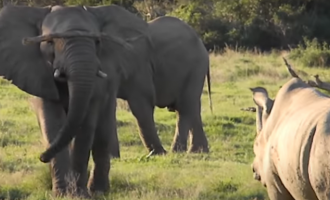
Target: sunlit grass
225 173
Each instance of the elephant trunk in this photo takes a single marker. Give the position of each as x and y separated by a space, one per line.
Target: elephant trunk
81 78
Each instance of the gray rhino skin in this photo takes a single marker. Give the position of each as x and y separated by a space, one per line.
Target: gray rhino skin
292 145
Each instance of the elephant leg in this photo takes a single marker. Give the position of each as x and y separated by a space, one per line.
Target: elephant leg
81 151
114 145
112 134
188 118
80 157
179 143
99 179
51 117
185 111
198 142
143 111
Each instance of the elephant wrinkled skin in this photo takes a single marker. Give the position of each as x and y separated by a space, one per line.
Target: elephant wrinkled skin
293 142
180 66
73 61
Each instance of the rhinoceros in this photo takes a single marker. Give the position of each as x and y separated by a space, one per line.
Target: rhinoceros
292 145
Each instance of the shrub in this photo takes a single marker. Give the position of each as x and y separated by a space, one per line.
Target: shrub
312 53
263 24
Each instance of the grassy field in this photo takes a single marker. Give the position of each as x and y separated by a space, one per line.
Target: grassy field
225 173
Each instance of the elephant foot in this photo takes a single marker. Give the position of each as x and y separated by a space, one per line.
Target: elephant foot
78 192
157 152
81 194
58 193
179 148
59 190
199 149
98 188
98 194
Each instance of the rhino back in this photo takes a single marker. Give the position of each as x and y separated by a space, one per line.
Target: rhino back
298 115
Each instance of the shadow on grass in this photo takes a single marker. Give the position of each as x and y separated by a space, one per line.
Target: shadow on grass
230 191
9 139
13 193
123 123
245 120
220 190
161 127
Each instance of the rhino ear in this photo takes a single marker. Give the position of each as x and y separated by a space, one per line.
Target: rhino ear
261 99
264 106
24 65
124 30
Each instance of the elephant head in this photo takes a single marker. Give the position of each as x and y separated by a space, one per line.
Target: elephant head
39 46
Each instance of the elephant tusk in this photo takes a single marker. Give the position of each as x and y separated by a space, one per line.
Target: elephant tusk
57 73
101 74
51 36
57 76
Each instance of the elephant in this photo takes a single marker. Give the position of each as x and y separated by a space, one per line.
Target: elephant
180 64
73 60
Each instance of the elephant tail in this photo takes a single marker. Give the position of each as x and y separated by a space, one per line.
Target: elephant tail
209 89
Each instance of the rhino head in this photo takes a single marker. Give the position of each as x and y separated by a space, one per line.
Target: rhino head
264 107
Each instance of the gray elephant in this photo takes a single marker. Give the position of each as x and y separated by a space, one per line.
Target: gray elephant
180 64
74 61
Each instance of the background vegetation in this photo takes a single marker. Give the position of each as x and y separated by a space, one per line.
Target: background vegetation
249 38
264 24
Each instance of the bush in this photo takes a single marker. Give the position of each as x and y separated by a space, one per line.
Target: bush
257 23
263 24
312 53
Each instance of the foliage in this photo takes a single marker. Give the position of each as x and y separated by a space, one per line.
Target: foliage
312 53
265 24
256 23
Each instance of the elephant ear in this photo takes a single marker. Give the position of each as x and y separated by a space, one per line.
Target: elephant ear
125 29
24 65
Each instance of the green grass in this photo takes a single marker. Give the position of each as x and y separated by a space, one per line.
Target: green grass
225 173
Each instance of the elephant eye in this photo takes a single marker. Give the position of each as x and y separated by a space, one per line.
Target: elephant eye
97 42
98 46
50 43
47 49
